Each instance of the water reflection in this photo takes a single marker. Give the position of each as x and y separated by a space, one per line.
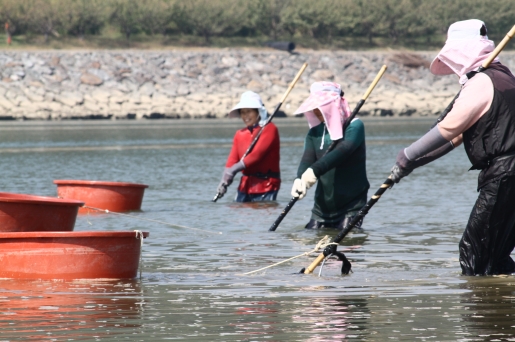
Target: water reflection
254 205
406 283
257 318
40 310
489 307
314 319
333 319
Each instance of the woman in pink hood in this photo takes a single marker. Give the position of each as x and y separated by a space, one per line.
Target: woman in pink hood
341 174
483 118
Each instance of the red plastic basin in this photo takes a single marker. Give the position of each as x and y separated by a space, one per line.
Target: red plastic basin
28 213
113 196
70 255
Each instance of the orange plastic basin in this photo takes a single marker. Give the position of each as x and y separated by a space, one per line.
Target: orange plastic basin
70 255
28 213
113 196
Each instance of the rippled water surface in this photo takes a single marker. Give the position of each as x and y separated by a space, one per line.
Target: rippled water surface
406 283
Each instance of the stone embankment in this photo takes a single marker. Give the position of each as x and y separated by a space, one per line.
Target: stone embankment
53 85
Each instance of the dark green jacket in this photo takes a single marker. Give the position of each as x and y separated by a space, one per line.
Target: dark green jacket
342 176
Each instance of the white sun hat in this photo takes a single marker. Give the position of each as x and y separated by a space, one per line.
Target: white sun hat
250 99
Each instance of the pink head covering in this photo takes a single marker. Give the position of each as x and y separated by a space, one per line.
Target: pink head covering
326 97
466 48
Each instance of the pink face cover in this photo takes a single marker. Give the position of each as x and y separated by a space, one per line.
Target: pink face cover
464 51
326 97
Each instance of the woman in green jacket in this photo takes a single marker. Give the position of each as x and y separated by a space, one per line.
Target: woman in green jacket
341 174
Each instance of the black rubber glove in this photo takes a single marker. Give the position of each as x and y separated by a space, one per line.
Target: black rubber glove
330 249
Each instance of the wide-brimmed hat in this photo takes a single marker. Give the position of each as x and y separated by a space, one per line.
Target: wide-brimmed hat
466 47
250 99
326 96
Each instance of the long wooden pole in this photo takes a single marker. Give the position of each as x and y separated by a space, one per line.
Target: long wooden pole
269 119
360 104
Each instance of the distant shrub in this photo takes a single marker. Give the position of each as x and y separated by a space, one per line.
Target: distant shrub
392 22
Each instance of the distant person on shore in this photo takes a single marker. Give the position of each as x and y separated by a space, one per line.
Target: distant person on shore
483 118
8 33
341 174
261 178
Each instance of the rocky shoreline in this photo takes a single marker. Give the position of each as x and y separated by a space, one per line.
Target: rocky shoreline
206 83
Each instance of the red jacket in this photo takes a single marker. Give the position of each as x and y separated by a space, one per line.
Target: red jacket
263 160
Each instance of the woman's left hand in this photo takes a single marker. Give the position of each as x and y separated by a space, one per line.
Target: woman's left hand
309 178
298 189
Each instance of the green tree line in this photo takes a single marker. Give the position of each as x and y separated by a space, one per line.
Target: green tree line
393 22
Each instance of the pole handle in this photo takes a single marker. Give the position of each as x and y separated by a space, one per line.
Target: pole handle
374 82
283 214
388 183
292 84
314 264
217 196
499 48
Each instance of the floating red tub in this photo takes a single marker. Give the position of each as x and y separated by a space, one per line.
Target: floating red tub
26 213
113 196
70 255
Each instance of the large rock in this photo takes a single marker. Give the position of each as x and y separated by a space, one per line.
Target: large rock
230 61
323 75
147 89
91 107
70 99
255 86
6 104
100 95
91 79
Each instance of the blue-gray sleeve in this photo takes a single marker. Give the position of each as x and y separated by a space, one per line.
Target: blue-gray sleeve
428 143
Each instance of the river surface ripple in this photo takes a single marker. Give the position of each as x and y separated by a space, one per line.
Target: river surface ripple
406 283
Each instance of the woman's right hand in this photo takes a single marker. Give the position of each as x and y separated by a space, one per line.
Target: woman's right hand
222 188
298 189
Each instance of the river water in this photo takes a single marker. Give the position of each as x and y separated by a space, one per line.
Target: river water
406 283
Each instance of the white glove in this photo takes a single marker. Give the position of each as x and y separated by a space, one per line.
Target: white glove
298 189
309 178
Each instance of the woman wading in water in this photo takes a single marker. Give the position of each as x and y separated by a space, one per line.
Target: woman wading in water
260 179
341 174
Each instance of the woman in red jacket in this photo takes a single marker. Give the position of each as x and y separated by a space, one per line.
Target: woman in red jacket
260 168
